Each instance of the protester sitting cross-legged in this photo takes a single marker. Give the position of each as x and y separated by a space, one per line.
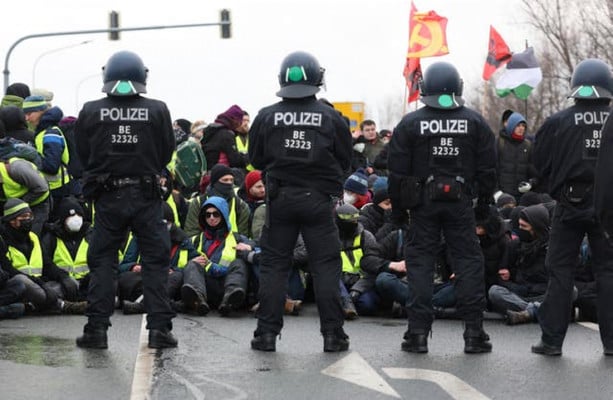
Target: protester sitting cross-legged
519 295
219 276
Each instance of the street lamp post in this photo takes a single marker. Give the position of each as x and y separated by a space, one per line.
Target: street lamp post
6 71
50 52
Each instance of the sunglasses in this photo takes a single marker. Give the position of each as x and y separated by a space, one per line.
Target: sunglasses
214 214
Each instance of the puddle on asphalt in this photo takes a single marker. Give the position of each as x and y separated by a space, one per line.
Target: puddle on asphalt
37 350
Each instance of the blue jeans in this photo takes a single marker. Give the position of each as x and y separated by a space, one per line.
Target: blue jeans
391 288
366 304
502 299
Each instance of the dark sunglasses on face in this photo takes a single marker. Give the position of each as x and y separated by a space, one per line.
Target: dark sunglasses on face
214 214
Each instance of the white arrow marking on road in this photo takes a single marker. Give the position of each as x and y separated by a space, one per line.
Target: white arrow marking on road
454 386
356 370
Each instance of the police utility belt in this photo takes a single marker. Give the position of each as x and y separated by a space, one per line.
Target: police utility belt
444 188
147 183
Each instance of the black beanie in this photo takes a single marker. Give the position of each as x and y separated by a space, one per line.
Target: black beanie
218 171
18 89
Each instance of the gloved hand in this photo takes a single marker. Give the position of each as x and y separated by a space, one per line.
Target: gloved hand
359 147
70 288
242 254
524 187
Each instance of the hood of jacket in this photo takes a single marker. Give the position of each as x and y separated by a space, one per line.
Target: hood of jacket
221 205
51 117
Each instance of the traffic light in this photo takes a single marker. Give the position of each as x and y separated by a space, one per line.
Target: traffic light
226 33
114 23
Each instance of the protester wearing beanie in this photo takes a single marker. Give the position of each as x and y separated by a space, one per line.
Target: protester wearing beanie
219 140
15 93
356 189
258 192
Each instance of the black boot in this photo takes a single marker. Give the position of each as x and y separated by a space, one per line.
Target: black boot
133 307
518 317
547 349
94 337
194 300
348 308
336 340
161 339
415 342
264 341
475 338
232 299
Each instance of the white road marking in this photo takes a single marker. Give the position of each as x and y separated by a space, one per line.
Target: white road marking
590 325
354 369
143 368
454 386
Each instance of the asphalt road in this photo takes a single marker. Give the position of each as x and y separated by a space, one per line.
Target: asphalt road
38 359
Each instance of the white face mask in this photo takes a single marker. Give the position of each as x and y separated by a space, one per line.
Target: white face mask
74 223
349 198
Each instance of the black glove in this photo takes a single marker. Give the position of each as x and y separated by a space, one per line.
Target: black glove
70 288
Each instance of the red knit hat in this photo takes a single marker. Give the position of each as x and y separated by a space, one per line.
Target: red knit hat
252 178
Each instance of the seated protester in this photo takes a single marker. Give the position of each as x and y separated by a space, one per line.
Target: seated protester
173 198
219 140
360 264
221 185
494 241
130 279
219 276
375 217
519 296
15 123
392 285
505 204
65 244
25 255
21 179
356 189
253 192
12 291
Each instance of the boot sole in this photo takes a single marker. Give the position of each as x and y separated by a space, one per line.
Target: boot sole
98 346
477 350
419 350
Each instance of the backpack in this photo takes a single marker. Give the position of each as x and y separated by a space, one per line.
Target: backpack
190 164
14 148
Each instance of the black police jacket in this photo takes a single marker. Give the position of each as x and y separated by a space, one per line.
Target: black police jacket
302 142
566 145
453 143
128 136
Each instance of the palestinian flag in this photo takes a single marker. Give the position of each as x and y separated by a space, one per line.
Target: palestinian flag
521 75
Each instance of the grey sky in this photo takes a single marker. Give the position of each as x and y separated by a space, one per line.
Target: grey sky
361 43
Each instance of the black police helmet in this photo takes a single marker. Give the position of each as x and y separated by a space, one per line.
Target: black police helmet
300 76
441 86
591 80
124 75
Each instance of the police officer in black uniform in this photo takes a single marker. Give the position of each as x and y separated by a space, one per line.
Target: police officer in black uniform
440 158
304 148
124 141
566 150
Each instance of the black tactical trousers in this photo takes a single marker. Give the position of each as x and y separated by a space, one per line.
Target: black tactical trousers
456 220
116 211
291 211
568 230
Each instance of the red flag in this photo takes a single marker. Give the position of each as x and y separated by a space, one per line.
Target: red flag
412 74
427 37
498 54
